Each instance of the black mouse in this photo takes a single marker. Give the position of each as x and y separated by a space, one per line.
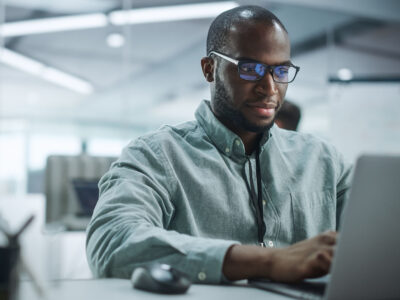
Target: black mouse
160 278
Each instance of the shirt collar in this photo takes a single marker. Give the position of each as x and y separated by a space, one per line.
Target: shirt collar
224 139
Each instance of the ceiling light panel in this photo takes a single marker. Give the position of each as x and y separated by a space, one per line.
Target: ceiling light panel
31 66
53 25
121 17
170 13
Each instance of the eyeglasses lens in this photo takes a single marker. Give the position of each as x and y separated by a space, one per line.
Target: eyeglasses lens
284 73
253 71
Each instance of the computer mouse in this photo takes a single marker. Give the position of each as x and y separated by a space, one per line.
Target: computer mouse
160 278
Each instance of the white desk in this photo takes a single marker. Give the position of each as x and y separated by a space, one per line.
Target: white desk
120 289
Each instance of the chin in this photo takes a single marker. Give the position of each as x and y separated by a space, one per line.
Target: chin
258 127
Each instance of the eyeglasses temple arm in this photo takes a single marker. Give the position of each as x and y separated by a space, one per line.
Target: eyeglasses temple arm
225 57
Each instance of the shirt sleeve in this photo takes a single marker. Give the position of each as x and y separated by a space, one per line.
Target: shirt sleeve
130 221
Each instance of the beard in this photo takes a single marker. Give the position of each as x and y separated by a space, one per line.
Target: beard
224 109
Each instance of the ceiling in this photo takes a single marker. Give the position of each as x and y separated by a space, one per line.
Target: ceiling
155 77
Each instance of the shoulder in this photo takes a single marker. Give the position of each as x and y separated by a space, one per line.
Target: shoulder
303 149
299 148
287 139
167 136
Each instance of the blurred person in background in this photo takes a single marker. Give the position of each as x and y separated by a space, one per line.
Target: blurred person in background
288 117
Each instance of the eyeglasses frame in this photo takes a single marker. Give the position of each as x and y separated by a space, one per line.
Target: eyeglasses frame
268 67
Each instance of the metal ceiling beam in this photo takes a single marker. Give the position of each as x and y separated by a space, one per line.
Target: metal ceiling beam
339 35
384 10
367 79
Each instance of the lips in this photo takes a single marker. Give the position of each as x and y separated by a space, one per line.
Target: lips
263 109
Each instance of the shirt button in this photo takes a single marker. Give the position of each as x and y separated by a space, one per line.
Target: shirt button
237 142
270 243
202 276
264 202
227 150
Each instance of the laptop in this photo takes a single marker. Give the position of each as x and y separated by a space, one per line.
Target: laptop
366 264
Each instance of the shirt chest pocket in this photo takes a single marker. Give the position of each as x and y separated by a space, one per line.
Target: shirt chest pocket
312 213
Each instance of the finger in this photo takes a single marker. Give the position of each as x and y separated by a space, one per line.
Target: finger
329 251
331 233
321 264
328 238
325 257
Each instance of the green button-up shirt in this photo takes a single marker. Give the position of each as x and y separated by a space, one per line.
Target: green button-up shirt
181 195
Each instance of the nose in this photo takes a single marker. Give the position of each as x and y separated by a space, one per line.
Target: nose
266 85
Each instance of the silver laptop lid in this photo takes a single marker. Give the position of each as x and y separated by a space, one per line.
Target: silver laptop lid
367 262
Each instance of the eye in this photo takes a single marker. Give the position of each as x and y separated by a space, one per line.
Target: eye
281 71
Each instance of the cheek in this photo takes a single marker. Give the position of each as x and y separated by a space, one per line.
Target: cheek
241 92
233 86
282 91
237 89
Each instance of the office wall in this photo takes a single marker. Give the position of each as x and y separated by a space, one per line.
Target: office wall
365 118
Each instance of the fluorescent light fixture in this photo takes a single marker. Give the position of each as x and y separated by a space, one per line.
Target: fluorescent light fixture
31 66
66 80
170 13
21 62
119 17
345 74
53 25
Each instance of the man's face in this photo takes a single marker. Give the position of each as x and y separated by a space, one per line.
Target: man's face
245 106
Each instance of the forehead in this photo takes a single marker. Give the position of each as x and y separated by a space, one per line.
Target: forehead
268 43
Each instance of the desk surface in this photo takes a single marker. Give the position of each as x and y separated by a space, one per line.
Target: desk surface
98 289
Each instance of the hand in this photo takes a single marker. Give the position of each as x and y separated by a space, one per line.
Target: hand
305 259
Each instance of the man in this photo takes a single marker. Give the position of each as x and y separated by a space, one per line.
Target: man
228 196
288 116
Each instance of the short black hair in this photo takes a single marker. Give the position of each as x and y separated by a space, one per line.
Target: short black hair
217 36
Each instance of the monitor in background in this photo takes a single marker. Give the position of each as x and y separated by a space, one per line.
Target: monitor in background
87 194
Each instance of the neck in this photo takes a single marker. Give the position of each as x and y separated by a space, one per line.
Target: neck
250 139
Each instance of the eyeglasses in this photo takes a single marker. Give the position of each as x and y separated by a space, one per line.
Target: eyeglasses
253 71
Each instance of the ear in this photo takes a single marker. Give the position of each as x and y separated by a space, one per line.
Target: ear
207 66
